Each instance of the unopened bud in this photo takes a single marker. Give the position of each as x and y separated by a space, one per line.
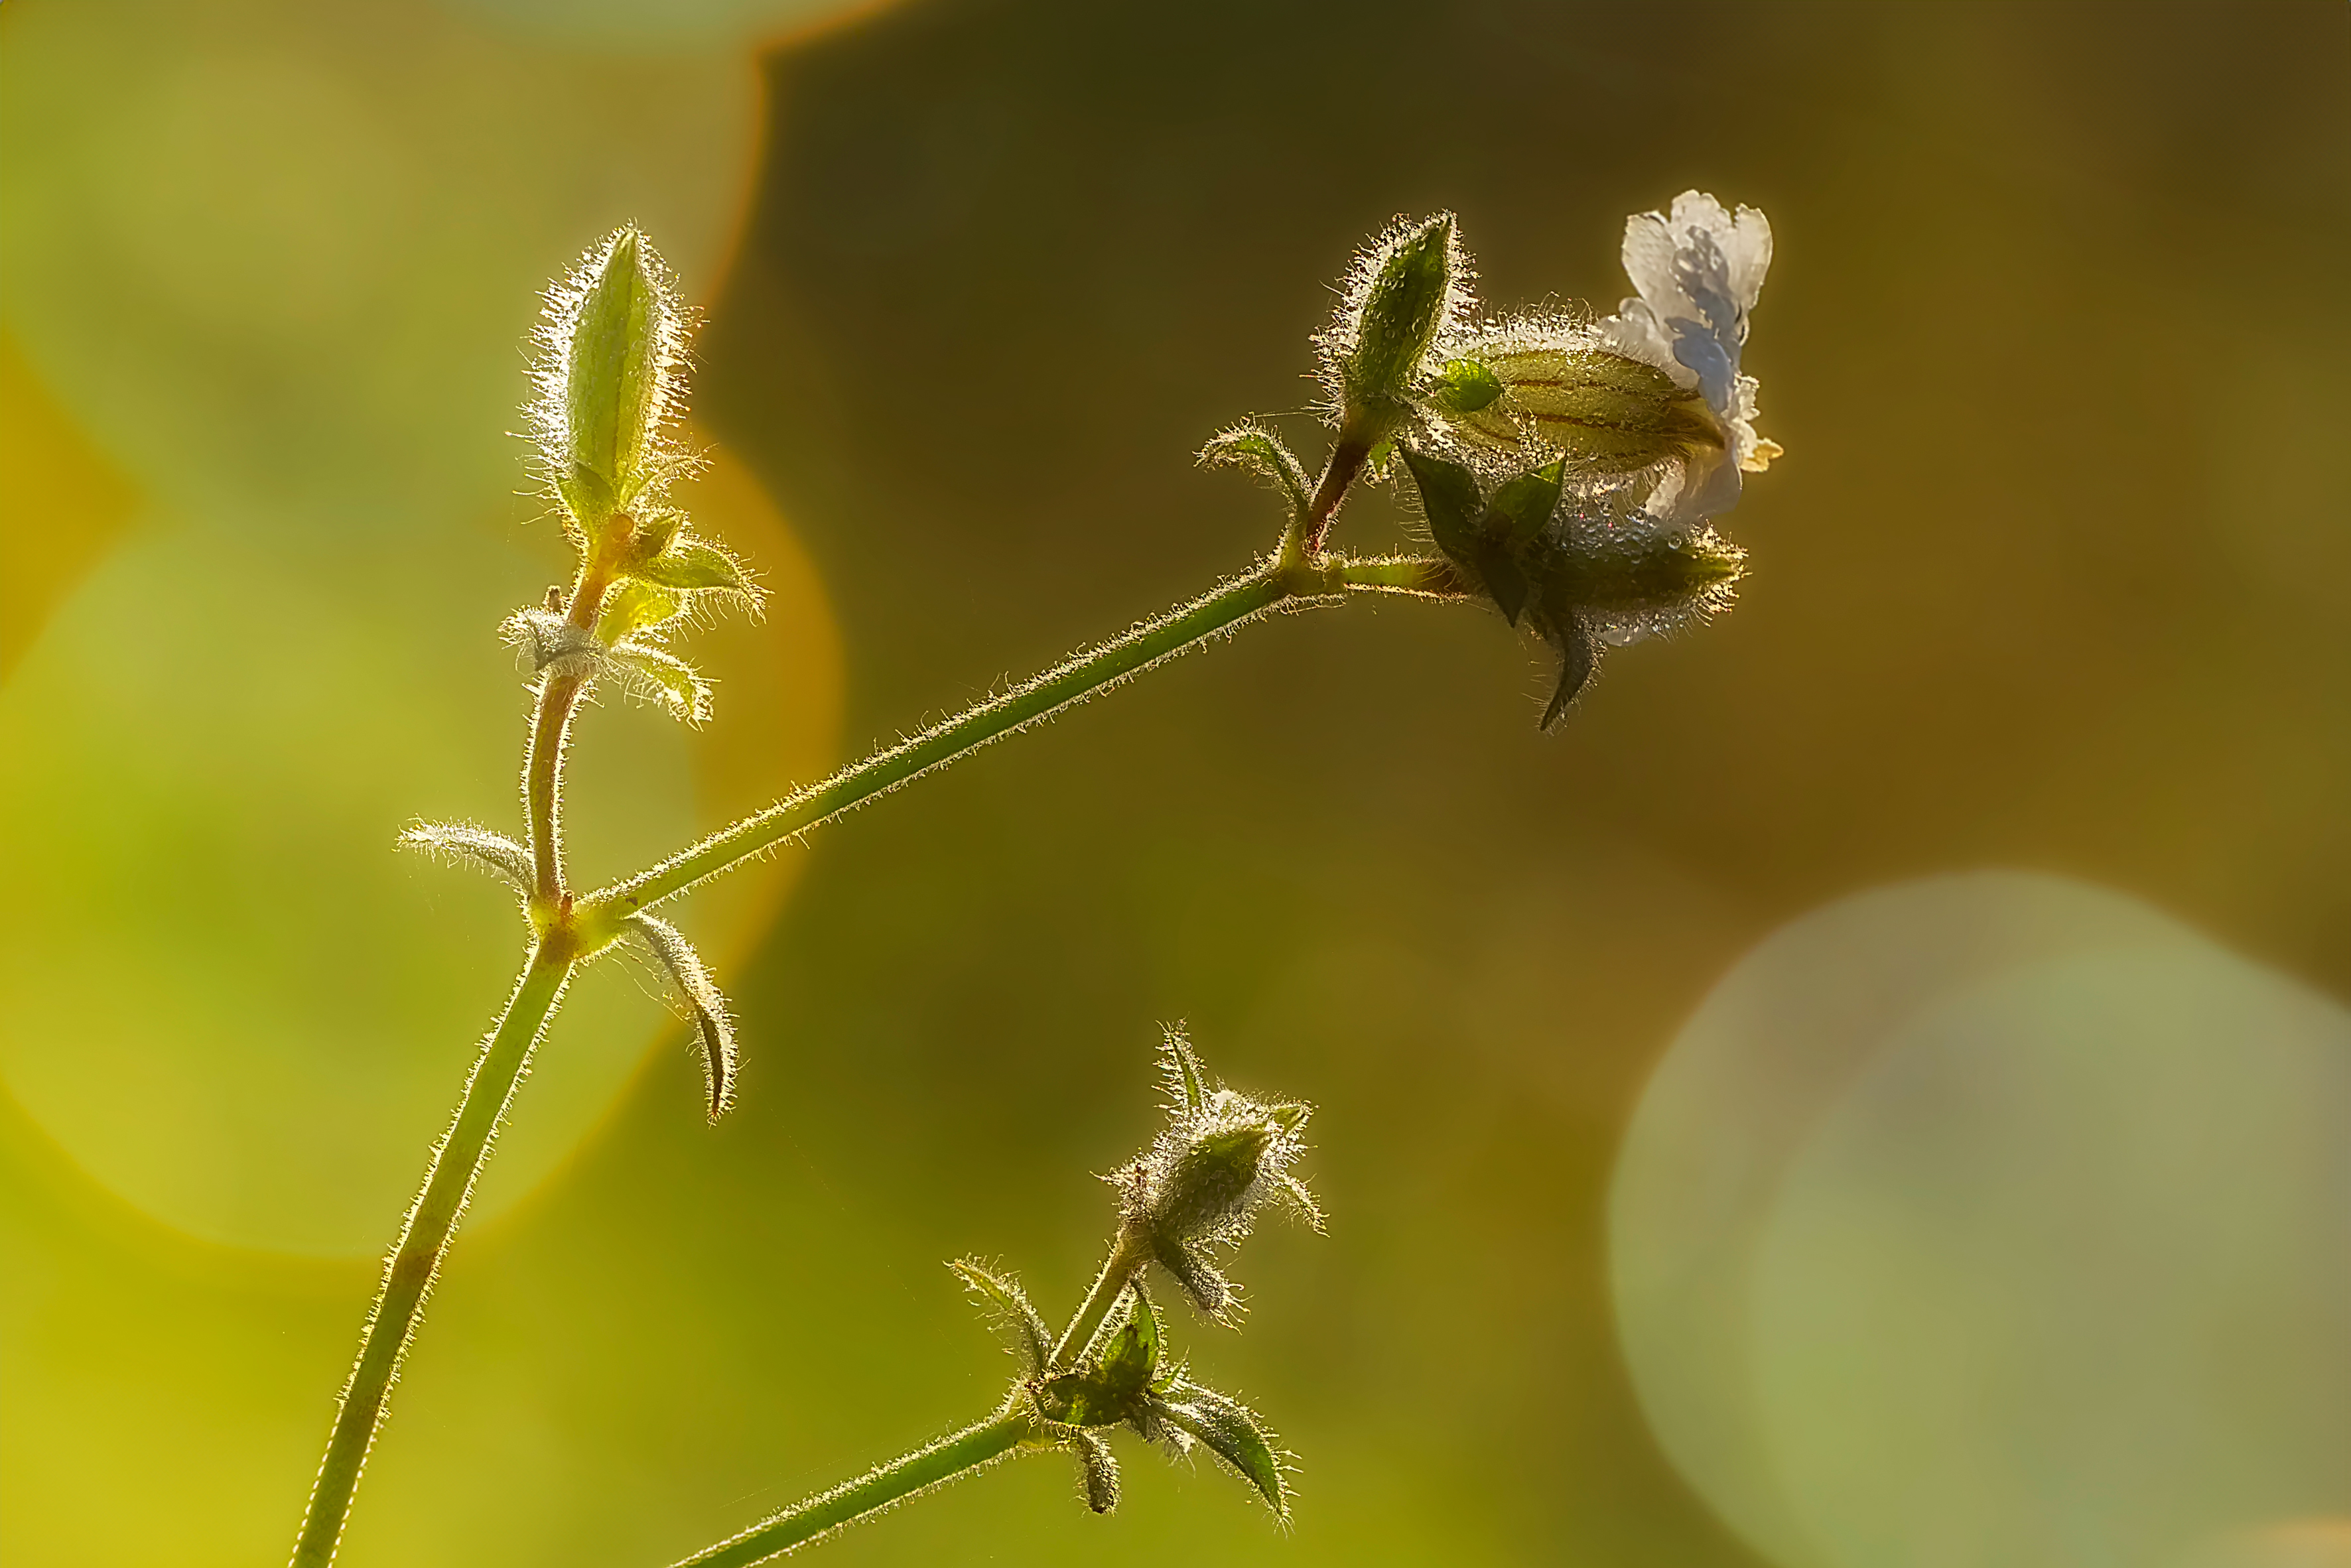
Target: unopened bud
1404 292
610 377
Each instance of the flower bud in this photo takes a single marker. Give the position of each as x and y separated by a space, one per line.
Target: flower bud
610 377
1404 292
1557 392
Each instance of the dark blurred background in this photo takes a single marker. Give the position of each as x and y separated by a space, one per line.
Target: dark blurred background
2048 579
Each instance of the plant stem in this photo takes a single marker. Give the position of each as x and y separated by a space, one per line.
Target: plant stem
409 1273
1237 602
949 1459
1126 1257
1273 585
550 733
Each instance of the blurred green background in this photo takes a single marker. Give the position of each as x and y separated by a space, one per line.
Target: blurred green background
1874 1090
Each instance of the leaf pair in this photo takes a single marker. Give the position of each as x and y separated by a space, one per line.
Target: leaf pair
692 990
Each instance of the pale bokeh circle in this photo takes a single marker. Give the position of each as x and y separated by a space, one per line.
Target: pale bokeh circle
1995 1219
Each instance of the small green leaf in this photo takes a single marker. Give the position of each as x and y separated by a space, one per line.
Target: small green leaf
1503 577
1464 386
1523 506
1252 446
667 678
1130 1360
636 607
1188 1081
1450 501
702 1002
1209 1289
1229 1429
690 566
1100 1472
656 527
1006 1307
478 847
1579 655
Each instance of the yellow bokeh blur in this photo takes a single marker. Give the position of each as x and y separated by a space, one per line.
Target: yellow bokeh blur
1869 1093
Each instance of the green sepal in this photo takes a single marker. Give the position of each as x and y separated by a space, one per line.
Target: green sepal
1523 506
1188 1081
676 683
1100 1469
1229 1429
1109 1389
1006 1306
1464 386
1201 1280
656 527
690 566
1251 446
634 607
1449 499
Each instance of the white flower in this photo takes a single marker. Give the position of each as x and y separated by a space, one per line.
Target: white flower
1698 272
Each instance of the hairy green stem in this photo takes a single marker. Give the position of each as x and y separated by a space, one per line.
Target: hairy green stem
409 1273
1126 1259
1275 584
949 1459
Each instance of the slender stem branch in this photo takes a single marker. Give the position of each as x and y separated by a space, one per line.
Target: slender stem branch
1126 1259
1274 584
1073 681
550 730
950 1459
409 1273
1347 457
542 782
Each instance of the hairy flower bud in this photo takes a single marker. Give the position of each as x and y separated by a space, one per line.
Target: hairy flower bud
1404 292
611 378
1221 1159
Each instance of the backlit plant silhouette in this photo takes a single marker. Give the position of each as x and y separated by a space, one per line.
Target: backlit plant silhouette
1567 467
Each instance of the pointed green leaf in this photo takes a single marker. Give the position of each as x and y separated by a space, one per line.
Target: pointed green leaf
1209 1289
1006 1307
1252 446
703 1004
690 566
636 607
1450 501
1131 1358
1188 1081
1523 506
1579 655
1230 1430
477 847
665 676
